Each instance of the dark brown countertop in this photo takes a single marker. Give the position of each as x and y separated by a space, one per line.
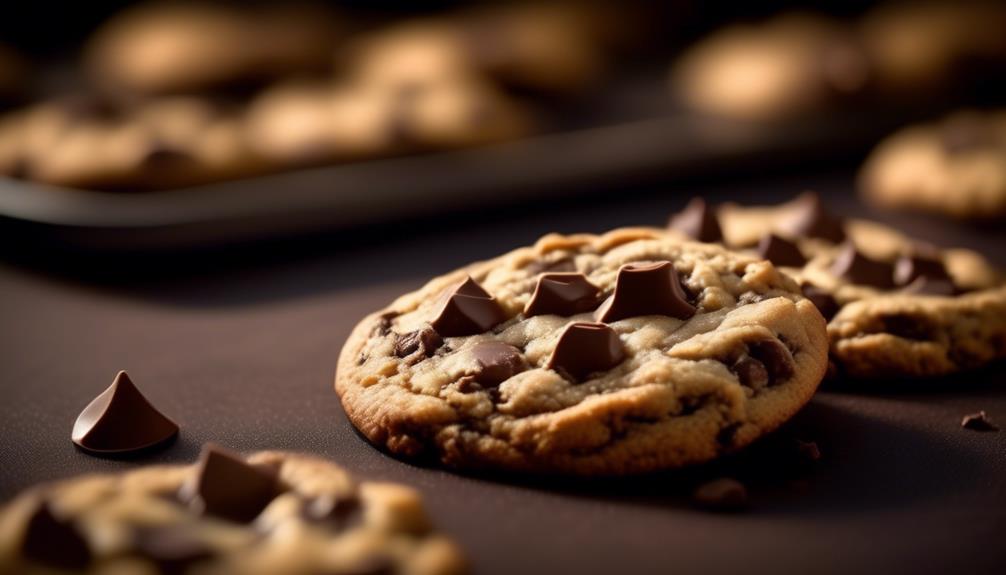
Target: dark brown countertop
243 353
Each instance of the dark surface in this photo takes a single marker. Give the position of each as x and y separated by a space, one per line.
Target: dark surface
240 348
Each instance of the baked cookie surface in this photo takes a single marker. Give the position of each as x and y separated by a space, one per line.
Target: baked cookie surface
955 167
896 307
594 355
272 512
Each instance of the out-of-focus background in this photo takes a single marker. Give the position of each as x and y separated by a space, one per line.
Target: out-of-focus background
131 126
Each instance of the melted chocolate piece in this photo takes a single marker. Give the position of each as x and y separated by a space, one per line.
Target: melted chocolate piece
173 549
810 219
857 268
562 294
780 252
751 373
698 221
978 421
931 286
121 420
824 301
425 340
51 540
646 289
775 357
227 487
467 309
907 269
585 348
497 362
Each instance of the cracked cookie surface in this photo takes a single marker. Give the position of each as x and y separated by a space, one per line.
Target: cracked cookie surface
739 353
272 512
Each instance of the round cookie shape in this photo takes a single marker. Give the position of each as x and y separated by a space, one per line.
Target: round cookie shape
647 391
269 512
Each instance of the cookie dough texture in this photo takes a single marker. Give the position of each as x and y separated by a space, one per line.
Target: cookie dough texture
389 534
955 167
673 401
891 333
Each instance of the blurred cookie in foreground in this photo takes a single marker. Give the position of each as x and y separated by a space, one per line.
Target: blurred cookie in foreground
270 512
170 47
788 66
955 167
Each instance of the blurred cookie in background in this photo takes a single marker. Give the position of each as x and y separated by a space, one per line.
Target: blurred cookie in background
159 48
955 167
788 66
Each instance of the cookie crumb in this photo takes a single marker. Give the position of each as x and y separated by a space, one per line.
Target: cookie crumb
808 450
978 422
723 494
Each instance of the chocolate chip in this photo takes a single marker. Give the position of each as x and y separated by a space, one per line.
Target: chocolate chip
810 219
425 340
978 422
780 252
697 221
496 362
562 294
121 420
225 486
751 373
585 348
52 540
173 549
857 268
824 301
646 289
467 309
723 494
929 286
775 356
910 268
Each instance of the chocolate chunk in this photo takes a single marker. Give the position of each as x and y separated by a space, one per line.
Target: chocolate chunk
467 309
425 340
225 486
909 268
751 373
857 268
810 219
775 357
807 450
51 540
698 221
978 422
585 348
173 549
496 362
646 289
930 286
824 301
121 420
562 294
723 494
780 252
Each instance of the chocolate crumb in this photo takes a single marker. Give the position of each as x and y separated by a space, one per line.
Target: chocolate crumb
808 450
723 494
978 422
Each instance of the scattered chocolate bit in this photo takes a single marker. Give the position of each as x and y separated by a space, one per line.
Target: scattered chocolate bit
121 420
857 268
562 294
978 422
910 268
646 289
225 486
173 549
425 340
467 309
810 219
497 362
780 252
775 356
808 450
698 221
585 348
751 372
54 541
931 286
723 494
824 301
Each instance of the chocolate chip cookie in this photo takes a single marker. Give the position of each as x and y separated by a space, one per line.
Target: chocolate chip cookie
593 355
955 167
897 307
272 512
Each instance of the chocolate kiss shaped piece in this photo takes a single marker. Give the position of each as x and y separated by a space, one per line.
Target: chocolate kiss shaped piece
121 420
467 309
822 300
497 362
585 348
909 268
562 294
225 486
698 221
646 289
53 541
859 269
809 219
780 252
